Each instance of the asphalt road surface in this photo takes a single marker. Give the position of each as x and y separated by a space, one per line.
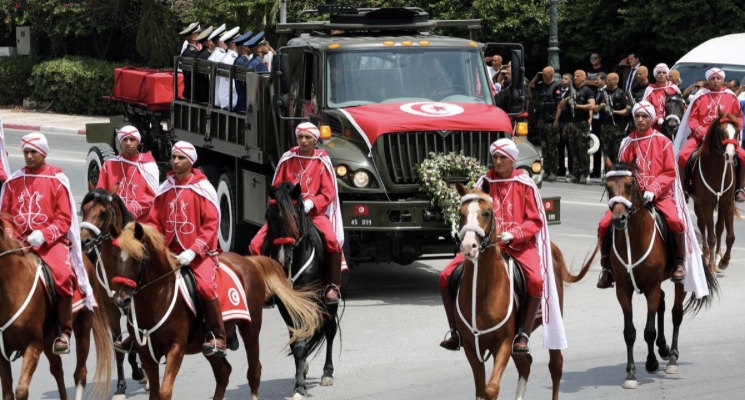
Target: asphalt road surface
393 321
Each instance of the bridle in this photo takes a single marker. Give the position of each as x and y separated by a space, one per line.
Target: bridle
485 242
100 234
287 241
632 205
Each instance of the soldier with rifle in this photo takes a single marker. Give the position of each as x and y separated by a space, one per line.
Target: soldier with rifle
613 107
549 96
581 102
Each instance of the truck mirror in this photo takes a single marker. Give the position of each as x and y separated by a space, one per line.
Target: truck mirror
281 64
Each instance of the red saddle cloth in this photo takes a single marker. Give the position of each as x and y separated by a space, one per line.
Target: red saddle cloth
78 297
229 291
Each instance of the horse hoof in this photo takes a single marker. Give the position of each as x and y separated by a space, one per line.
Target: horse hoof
722 267
671 369
654 371
144 381
628 384
327 381
147 386
298 396
119 397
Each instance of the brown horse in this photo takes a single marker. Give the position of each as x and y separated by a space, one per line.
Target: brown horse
486 303
641 262
28 325
100 211
713 188
145 285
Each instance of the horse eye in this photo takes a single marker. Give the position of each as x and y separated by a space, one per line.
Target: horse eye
486 214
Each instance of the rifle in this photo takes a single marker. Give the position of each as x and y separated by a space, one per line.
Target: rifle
632 100
608 105
572 97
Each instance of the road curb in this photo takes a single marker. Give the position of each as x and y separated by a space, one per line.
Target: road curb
45 129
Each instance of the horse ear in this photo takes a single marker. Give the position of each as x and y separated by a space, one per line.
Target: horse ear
91 187
460 188
296 191
114 231
608 164
114 190
485 186
139 231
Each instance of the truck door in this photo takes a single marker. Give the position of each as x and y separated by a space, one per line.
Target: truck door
307 90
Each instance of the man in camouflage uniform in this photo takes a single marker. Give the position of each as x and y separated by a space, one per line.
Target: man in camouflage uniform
612 97
548 97
579 104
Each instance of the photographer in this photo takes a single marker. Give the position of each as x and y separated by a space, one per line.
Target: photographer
692 90
549 96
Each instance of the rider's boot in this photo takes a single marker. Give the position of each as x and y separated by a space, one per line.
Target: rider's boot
522 340
740 192
452 342
680 257
605 280
64 314
333 290
216 344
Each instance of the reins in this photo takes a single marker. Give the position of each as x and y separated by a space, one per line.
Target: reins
720 150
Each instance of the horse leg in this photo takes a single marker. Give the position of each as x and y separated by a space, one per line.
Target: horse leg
55 368
250 334
662 348
730 238
137 373
719 227
82 327
677 312
699 211
711 241
174 358
478 370
650 332
6 379
501 357
556 367
522 363
152 372
328 367
629 335
299 352
30 362
221 369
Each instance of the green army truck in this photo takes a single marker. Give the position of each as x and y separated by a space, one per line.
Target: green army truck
384 90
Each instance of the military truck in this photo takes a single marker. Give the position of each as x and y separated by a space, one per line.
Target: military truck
385 92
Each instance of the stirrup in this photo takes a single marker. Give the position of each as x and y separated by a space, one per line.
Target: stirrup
212 349
521 350
612 278
338 292
453 335
61 350
676 279
740 192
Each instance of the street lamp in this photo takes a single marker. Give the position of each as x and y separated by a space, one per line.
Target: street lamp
553 38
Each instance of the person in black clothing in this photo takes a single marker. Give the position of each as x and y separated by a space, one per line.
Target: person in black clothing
549 96
626 70
559 127
202 81
612 98
581 102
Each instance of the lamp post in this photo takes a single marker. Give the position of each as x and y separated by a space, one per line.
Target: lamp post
553 38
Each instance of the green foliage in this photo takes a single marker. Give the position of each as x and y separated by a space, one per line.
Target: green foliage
14 73
75 85
157 36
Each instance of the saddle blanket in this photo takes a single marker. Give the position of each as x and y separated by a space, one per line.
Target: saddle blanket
230 292
78 297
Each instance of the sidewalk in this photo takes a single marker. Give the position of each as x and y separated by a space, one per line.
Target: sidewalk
46 122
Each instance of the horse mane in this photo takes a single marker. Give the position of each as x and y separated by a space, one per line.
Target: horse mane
287 212
711 135
101 196
137 249
8 242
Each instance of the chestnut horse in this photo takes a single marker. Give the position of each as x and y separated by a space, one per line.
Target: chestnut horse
713 188
486 304
100 211
145 284
641 262
28 325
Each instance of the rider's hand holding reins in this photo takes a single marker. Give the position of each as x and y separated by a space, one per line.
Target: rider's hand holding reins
36 238
308 204
505 237
648 196
186 257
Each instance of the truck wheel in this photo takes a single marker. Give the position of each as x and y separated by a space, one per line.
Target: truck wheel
97 155
226 198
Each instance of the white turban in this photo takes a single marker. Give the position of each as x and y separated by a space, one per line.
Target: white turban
187 149
646 108
35 141
307 127
661 67
128 131
506 147
714 71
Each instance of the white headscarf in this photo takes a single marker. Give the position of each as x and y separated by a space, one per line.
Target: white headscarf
187 149
35 141
128 131
714 71
646 108
307 127
506 147
661 67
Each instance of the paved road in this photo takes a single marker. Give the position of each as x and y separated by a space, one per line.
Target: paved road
394 320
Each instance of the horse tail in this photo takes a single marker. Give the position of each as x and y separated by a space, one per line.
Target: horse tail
104 353
694 305
569 278
305 313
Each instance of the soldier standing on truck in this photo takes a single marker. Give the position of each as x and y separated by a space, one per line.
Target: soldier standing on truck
226 87
257 61
549 96
189 50
243 59
202 81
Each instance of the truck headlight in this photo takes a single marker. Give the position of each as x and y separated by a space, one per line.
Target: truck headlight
361 179
536 167
341 170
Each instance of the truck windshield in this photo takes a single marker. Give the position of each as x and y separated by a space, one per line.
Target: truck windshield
401 74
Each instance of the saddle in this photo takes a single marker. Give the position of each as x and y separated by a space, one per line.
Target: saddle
689 168
667 237
518 278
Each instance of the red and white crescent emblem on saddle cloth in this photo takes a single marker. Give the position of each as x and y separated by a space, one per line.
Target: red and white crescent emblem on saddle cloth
230 292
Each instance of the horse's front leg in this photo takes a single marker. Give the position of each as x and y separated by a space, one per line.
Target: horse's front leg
677 313
730 238
650 332
152 372
330 332
662 347
711 242
719 228
30 362
299 352
174 358
477 367
501 357
629 335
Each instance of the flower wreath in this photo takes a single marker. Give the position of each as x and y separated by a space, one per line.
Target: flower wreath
431 172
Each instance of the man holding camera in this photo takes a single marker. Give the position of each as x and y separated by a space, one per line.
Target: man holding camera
549 96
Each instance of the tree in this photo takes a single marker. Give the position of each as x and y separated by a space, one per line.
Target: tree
157 34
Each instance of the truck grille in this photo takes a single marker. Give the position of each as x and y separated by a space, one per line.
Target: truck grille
403 151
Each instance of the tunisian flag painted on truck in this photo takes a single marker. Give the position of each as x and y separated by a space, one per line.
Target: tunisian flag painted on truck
378 119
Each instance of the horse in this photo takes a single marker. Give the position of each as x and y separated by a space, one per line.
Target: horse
713 188
146 283
641 262
298 246
486 305
675 107
28 325
101 210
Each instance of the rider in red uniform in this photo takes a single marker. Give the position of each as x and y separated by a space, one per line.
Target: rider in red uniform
186 212
39 200
657 93
700 114
312 168
136 174
521 219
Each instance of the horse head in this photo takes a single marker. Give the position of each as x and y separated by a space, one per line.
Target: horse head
723 136
623 192
137 247
284 218
476 220
101 210
674 110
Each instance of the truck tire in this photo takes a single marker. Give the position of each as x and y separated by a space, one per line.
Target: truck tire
97 155
226 198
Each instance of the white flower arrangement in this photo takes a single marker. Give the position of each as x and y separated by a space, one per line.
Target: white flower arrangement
431 172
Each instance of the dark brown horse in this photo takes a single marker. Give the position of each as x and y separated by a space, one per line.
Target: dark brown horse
641 262
100 211
675 107
28 325
145 285
713 188
486 304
